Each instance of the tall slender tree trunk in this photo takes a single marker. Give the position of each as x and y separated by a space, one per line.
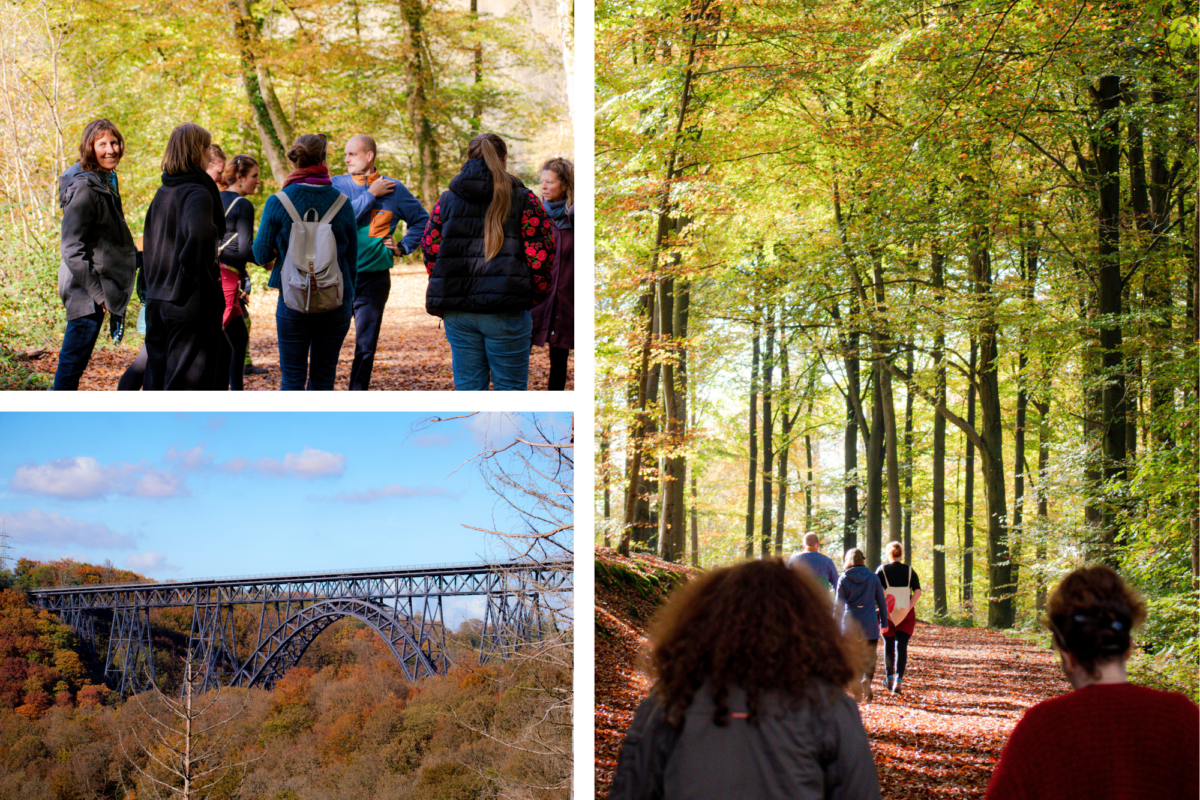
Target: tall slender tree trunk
752 477
908 463
1109 290
850 451
1043 494
419 74
667 538
768 430
968 553
875 458
940 606
785 433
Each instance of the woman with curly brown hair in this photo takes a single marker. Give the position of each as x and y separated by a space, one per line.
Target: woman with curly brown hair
748 701
1107 738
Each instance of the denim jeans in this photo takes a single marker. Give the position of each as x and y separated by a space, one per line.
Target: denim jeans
489 346
309 345
78 342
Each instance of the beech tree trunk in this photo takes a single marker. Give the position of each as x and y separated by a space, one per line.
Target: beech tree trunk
968 554
752 477
768 430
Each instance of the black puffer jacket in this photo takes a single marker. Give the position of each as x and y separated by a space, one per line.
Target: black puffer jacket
99 257
461 279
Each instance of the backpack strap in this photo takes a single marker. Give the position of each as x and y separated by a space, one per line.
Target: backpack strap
334 209
234 203
286 202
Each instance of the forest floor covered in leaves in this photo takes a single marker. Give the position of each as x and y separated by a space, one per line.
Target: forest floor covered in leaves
965 689
413 353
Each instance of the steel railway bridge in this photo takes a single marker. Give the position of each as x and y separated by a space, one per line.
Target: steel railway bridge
403 606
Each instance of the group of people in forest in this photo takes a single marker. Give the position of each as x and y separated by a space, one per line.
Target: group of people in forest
869 605
500 262
757 669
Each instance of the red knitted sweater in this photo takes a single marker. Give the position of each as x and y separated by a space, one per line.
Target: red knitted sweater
1103 742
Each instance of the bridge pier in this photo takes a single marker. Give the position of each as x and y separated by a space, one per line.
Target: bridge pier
129 663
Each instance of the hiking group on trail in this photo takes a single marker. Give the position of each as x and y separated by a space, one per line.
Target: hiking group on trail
757 671
500 263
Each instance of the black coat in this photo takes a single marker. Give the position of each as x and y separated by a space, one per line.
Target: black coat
183 225
99 257
813 750
461 278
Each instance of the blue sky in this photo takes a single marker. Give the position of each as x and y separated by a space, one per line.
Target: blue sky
176 496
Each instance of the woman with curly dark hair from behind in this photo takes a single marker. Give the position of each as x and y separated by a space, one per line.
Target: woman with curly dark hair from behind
748 701
1107 738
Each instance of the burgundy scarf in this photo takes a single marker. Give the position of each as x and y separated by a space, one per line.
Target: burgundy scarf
317 176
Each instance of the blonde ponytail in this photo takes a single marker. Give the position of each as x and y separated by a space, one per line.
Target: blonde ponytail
492 150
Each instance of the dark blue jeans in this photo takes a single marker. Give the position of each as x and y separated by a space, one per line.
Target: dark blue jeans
78 342
309 345
370 296
491 347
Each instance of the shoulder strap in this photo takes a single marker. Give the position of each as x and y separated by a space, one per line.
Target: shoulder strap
334 209
234 203
883 572
910 574
287 206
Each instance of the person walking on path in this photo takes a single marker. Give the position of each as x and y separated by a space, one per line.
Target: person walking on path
812 558
488 248
747 700
234 253
379 203
862 609
902 587
99 257
309 342
554 318
1107 737
183 290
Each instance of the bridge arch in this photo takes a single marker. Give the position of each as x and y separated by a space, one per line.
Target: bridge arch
412 645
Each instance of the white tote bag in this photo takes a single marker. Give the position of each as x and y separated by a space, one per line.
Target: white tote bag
899 598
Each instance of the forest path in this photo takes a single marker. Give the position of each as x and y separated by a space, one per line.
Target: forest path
413 353
965 689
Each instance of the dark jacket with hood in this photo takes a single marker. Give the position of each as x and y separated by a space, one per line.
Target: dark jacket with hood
860 598
183 225
460 277
554 319
811 750
99 257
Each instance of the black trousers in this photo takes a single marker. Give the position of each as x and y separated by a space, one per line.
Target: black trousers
558 368
370 296
895 653
233 354
184 341
134 375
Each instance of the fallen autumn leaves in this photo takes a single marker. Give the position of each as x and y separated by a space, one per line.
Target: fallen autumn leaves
412 354
965 689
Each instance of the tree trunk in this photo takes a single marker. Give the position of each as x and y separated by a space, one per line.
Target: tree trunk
968 554
785 424
768 430
419 73
850 457
873 545
667 535
940 606
752 477
273 141
908 463
1043 495
1109 288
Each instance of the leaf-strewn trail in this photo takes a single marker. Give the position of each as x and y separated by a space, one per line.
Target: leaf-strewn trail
413 353
965 690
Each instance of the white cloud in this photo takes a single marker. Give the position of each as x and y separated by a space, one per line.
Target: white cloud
189 460
153 561
85 478
388 492
72 478
309 463
41 528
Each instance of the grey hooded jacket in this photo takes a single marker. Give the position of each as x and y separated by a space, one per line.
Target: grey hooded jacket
99 257
813 750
